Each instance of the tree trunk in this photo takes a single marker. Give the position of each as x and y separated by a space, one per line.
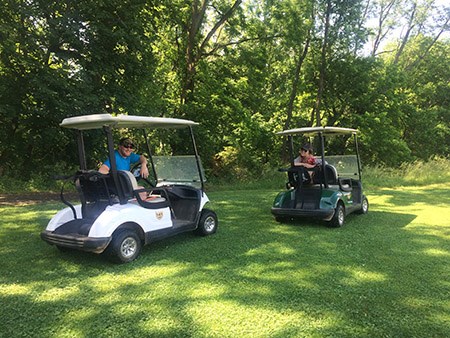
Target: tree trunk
425 53
405 39
295 83
315 114
290 107
383 16
194 51
197 16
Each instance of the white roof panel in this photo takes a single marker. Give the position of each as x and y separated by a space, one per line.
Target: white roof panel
97 121
317 130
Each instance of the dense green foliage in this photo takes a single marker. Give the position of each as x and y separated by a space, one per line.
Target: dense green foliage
243 69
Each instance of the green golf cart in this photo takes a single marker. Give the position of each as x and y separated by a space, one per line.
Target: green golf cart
329 191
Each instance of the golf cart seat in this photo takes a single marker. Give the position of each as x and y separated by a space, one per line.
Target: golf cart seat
131 190
330 174
127 182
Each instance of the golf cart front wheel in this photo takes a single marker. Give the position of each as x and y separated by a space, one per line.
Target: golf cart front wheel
207 225
339 216
124 247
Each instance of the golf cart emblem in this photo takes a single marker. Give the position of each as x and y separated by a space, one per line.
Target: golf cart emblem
159 215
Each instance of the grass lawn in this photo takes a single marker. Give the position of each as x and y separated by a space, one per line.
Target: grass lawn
384 274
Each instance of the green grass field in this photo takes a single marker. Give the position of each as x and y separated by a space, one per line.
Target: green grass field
384 274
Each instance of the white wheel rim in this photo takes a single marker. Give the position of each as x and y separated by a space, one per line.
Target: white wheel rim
210 223
341 216
365 205
128 247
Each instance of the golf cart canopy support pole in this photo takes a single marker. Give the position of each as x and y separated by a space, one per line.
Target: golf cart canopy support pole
197 158
291 149
150 155
81 153
357 156
322 150
112 162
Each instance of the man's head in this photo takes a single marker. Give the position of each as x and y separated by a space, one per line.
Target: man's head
306 148
126 146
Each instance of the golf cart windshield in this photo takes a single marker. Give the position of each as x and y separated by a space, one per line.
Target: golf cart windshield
178 170
346 165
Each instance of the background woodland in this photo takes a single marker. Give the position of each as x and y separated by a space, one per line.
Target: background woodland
243 69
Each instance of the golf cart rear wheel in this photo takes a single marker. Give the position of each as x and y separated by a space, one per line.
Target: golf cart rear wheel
339 216
364 206
207 225
125 246
281 219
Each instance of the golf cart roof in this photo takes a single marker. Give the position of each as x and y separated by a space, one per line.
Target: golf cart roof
97 121
317 130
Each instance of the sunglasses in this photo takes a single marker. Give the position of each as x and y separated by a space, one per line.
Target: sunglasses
128 146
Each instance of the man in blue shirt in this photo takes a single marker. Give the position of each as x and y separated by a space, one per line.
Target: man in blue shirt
125 158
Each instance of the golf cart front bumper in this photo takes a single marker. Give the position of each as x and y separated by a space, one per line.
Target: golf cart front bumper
323 214
77 242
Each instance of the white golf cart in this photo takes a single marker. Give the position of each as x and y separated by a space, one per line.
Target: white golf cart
113 217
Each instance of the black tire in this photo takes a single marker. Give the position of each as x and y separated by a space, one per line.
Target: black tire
125 246
364 206
207 225
64 249
281 219
339 216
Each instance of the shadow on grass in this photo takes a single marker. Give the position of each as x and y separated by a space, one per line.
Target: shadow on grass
255 277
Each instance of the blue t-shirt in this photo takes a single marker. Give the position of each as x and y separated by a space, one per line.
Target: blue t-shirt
123 163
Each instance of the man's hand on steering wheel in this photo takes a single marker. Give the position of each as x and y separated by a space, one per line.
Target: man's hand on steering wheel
141 172
144 170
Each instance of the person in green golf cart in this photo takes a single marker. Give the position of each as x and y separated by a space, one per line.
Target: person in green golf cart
306 160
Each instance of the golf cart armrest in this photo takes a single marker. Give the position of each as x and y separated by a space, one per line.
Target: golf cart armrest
345 184
156 202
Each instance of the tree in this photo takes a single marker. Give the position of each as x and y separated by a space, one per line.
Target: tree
60 59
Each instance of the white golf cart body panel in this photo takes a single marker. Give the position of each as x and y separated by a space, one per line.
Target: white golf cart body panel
117 214
62 217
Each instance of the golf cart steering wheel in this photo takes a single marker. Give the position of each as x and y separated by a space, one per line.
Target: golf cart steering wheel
136 171
298 175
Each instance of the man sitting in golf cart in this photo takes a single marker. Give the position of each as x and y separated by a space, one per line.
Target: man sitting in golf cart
306 160
125 158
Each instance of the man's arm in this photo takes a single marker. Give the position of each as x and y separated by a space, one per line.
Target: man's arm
104 169
308 165
144 169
